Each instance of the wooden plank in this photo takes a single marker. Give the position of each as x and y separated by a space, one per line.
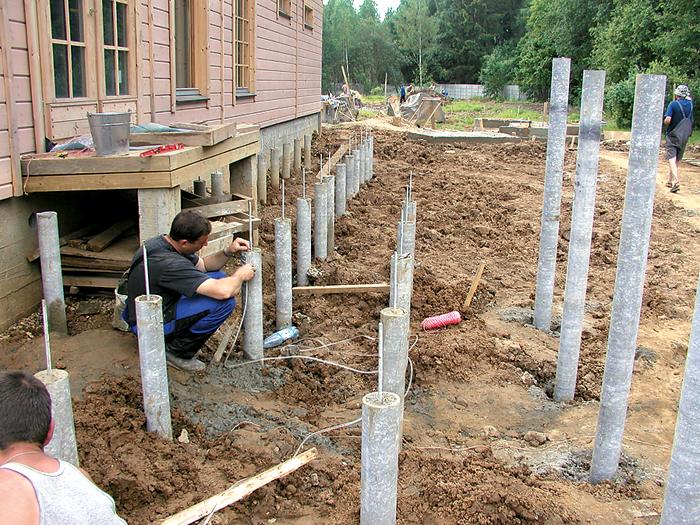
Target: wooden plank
340 288
120 255
102 240
50 164
239 490
34 255
10 99
109 181
191 172
33 48
211 137
88 281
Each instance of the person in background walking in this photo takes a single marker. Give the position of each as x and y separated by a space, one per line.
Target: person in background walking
402 92
679 127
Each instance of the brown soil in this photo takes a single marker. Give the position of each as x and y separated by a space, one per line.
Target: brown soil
483 441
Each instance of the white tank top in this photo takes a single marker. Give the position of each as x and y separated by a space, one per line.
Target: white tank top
67 497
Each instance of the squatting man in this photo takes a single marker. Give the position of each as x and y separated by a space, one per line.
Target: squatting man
36 489
197 296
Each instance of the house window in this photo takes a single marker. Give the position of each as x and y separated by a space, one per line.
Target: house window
285 7
68 47
116 47
243 47
308 16
191 50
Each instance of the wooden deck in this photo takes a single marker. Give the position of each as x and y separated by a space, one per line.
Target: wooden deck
48 172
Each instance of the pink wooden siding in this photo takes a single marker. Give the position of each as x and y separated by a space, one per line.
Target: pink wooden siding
287 74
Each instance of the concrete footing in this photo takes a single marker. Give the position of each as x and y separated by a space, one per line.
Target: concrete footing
381 443
63 444
154 374
252 340
283 273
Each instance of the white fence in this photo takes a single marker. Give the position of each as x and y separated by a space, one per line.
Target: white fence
463 91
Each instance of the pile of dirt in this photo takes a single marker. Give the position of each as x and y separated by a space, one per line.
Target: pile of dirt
483 441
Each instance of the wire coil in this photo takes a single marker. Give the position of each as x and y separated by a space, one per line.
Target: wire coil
439 321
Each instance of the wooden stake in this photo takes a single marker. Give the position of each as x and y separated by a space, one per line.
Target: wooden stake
475 283
239 491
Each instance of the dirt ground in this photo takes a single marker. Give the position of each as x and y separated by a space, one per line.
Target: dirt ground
483 441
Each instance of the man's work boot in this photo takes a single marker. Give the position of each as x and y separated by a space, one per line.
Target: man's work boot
188 365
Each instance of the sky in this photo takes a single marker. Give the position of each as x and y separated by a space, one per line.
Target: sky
382 5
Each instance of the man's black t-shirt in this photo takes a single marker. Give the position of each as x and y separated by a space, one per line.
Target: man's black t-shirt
170 275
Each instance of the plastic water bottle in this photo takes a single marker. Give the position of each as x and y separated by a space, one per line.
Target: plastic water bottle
280 336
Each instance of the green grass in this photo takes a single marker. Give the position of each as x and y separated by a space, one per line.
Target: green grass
460 114
373 99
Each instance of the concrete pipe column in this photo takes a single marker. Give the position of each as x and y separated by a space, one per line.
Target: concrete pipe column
200 188
368 161
629 280
408 211
253 303
406 238
551 209
51 276
580 239
283 272
275 168
682 494
286 160
395 345
371 156
358 179
303 241
401 278
217 183
350 176
297 155
320 221
307 152
381 443
329 180
154 373
262 179
340 187
63 444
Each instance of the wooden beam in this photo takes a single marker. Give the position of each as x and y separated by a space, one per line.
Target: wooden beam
100 241
33 48
10 99
34 255
239 491
340 288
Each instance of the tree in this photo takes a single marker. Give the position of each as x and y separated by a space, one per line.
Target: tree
558 28
624 42
498 70
416 30
469 31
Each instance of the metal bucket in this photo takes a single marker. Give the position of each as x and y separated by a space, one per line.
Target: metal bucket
110 132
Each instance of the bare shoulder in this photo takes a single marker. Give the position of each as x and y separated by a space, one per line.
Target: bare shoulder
18 504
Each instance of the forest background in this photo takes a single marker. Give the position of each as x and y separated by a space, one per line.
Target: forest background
500 42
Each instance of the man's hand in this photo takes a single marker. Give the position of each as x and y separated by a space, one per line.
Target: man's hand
245 272
227 287
238 245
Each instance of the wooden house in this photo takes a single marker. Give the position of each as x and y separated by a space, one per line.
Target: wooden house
249 67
